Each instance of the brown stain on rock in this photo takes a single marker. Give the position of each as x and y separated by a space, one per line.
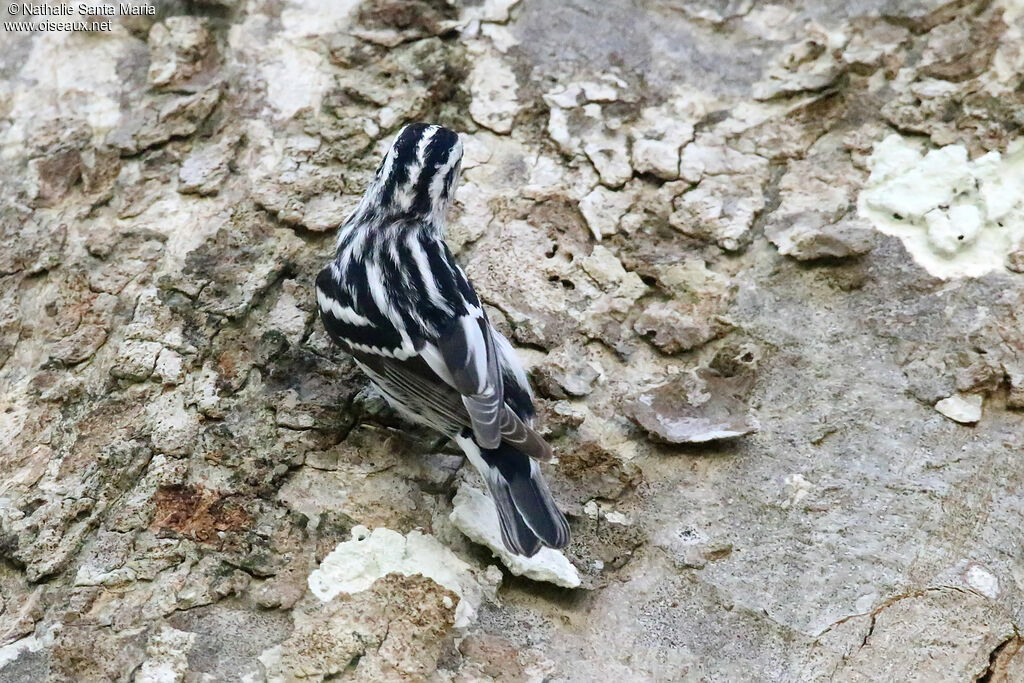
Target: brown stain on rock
587 470
424 15
198 513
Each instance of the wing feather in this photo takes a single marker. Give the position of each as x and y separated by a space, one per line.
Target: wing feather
415 388
450 374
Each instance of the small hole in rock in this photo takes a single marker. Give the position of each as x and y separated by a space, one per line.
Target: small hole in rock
32 506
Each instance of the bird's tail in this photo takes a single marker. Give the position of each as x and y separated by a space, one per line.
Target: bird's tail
528 515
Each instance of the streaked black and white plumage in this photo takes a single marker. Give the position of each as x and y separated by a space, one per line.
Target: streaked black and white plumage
395 298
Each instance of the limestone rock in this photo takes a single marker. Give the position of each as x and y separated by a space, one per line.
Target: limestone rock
167 655
608 153
373 631
163 118
179 48
577 124
475 516
567 371
720 209
53 176
659 136
693 408
965 409
810 64
699 205
355 565
391 22
136 360
975 625
673 327
603 209
694 315
815 218
588 470
493 88
204 170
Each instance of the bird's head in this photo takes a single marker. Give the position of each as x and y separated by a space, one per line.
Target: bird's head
417 178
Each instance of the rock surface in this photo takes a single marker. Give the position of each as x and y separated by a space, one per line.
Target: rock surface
963 409
815 204
692 408
474 515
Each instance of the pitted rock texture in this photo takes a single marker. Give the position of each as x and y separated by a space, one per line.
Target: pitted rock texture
653 193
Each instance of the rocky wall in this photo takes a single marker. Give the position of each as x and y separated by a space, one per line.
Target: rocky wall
762 262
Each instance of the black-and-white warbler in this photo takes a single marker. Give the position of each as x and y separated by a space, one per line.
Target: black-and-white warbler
395 299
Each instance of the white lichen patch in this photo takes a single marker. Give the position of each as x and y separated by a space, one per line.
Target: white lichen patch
982 580
956 217
354 565
475 516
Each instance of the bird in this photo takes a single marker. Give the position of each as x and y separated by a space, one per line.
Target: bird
396 300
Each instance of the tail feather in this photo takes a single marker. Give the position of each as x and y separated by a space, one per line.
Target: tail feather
515 533
531 496
527 513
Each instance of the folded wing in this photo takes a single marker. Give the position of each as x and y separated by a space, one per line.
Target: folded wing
449 368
